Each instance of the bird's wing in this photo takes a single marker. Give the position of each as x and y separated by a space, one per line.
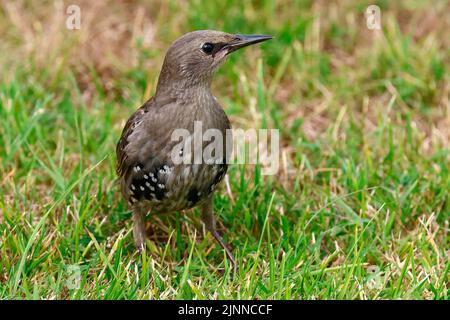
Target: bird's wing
123 160
145 147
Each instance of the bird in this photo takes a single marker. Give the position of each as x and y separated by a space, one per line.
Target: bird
151 181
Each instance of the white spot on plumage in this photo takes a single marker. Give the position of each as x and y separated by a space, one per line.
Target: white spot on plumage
142 188
161 186
145 176
147 184
165 169
133 187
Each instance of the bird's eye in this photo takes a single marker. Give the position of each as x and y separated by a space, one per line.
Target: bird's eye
208 48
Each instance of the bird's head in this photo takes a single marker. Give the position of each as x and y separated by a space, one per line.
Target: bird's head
195 56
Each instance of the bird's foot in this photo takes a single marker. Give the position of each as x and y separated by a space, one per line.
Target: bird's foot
229 253
139 248
139 232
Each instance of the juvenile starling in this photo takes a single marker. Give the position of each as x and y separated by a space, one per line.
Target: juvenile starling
150 178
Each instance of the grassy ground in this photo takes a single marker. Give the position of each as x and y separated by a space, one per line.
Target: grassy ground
359 210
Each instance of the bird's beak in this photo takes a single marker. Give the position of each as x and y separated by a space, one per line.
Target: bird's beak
242 40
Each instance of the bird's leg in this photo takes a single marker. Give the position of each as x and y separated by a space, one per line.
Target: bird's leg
207 215
139 229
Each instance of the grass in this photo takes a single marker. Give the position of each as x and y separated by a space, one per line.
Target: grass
359 209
